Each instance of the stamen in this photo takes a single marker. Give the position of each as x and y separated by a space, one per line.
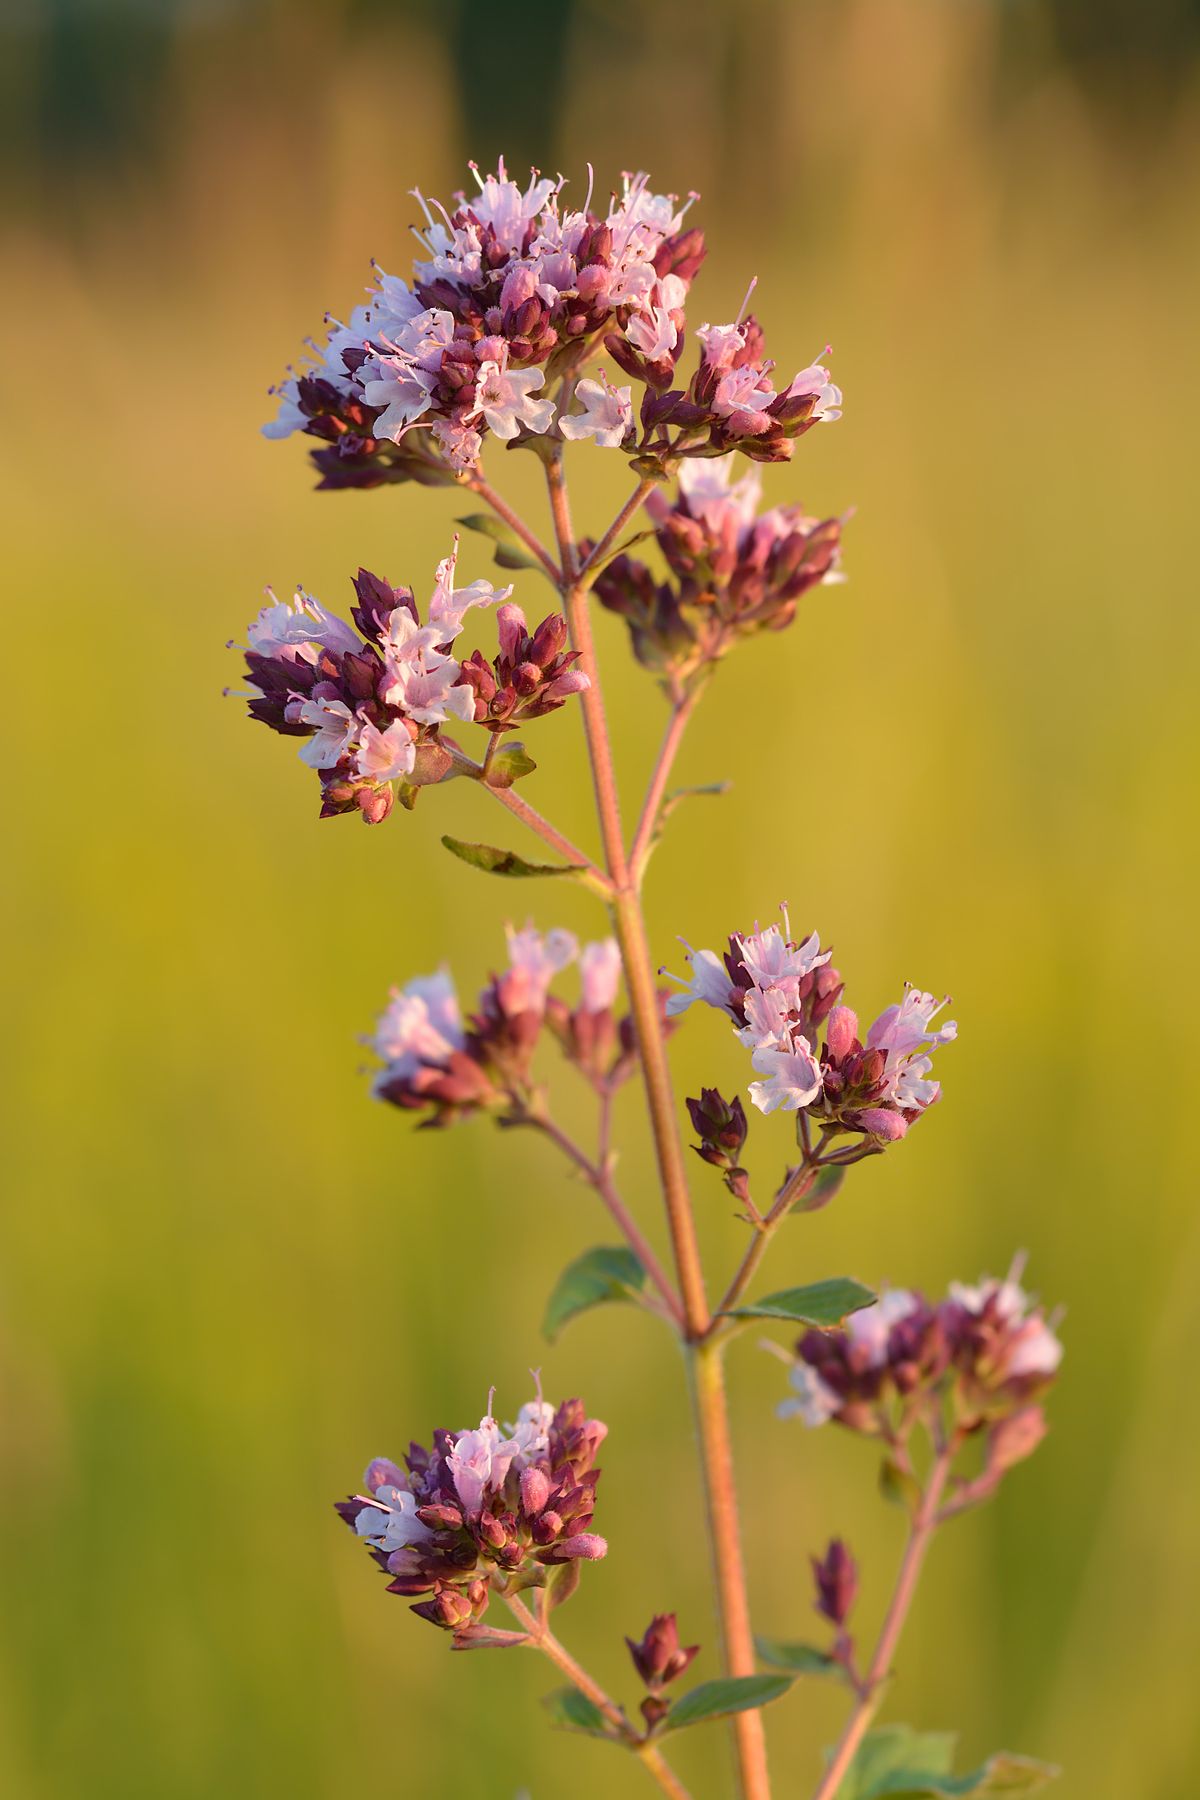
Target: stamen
746 301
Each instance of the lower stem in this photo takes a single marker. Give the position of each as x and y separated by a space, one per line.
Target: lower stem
920 1533
707 1371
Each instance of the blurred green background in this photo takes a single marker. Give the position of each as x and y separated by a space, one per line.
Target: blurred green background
227 1278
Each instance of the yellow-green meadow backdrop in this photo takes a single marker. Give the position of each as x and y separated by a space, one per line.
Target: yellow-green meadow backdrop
227 1276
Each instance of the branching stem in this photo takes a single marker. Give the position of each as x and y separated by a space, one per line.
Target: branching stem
499 505
921 1530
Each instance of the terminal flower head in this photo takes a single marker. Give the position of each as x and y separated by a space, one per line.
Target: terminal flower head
483 1507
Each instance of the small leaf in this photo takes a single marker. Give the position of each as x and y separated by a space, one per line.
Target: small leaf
503 862
798 1659
507 556
488 525
897 1763
730 1694
899 1486
510 764
821 1192
822 1303
596 1276
508 552
562 1583
573 1711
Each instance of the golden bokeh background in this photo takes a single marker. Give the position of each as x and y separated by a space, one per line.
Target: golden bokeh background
228 1278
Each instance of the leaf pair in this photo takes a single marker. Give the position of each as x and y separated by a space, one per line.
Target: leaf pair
711 1700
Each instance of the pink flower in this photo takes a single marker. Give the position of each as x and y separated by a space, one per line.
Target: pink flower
901 1032
422 1025
608 417
385 755
480 1460
299 629
502 399
600 969
710 983
460 445
335 728
815 380
534 962
794 1079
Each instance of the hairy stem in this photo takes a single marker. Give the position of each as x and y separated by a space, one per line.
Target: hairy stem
648 1754
643 837
598 1176
596 555
921 1530
795 1188
516 524
707 1376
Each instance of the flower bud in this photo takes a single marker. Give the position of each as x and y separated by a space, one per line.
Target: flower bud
535 1490
1011 1440
659 1657
721 1126
836 1578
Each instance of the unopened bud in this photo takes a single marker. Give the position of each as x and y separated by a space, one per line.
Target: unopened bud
660 1657
836 1578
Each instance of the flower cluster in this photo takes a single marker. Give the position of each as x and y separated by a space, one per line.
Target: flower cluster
735 571
370 702
778 994
978 1359
512 289
436 1064
483 1509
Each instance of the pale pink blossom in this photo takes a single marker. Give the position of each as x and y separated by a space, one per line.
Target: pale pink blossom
503 399
334 726
297 630
767 956
608 414
534 962
710 983
904 1033
815 380
815 1402
460 445
388 1520
600 971
422 1024
385 755
793 1079
449 605
869 1329
480 1460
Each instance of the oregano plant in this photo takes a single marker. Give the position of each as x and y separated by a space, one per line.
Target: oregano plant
531 325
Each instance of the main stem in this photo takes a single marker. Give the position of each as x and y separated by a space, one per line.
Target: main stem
920 1533
705 1360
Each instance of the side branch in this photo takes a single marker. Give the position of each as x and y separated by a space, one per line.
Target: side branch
598 1176
596 555
921 1531
487 493
648 1754
643 837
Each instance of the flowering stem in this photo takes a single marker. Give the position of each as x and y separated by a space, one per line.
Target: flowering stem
793 1189
542 1638
478 485
707 1373
528 815
643 837
924 1523
591 563
598 1176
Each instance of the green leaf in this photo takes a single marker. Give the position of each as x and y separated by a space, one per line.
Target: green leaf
899 1486
503 862
575 1712
731 1694
798 1659
488 525
507 556
897 1763
822 1303
509 764
596 1276
508 552
821 1192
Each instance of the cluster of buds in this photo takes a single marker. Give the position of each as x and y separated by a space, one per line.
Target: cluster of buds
722 1129
975 1362
660 1658
779 994
371 702
533 673
490 1508
436 1064
735 571
512 290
